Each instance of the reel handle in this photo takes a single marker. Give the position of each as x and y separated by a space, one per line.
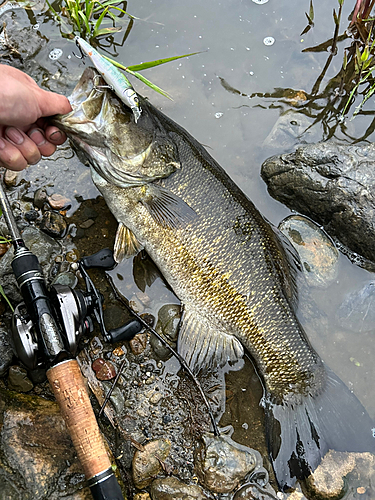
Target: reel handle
70 392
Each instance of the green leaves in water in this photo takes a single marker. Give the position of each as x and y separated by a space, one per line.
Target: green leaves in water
133 70
85 17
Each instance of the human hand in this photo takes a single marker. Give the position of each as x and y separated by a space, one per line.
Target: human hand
24 132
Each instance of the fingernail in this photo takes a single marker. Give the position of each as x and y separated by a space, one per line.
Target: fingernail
37 136
56 136
2 143
14 135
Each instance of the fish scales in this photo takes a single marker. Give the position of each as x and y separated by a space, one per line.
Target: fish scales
229 268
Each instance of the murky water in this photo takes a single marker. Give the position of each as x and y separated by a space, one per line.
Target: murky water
229 97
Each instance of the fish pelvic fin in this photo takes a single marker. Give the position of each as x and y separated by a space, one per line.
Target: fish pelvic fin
167 209
126 244
299 435
204 345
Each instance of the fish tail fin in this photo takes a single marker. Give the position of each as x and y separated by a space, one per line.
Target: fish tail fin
300 435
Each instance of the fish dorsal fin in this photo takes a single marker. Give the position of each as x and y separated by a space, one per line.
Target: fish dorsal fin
205 345
167 209
126 244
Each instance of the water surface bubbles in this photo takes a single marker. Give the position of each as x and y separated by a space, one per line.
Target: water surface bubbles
269 40
218 115
260 2
55 54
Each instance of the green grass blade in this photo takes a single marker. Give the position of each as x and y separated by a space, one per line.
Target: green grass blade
85 20
151 64
140 77
150 84
107 31
99 21
2 293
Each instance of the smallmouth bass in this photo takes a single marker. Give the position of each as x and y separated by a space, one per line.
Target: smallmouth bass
229 267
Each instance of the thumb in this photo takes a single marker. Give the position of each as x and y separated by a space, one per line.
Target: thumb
51 103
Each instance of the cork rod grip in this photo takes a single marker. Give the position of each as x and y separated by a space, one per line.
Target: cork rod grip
68 386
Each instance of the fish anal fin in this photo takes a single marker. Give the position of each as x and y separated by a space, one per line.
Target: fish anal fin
167 209
126 244
203 344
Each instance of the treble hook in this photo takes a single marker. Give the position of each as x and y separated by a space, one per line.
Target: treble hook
82 56
99 88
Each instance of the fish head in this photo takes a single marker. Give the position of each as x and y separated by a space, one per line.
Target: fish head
103 129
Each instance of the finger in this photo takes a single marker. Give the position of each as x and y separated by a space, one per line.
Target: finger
38 137
11 157
51 103
23 143
55 135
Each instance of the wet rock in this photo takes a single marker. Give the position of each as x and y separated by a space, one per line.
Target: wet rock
6 351
221 463
142 496
329 479
44 247
72 256
18 379
167 326
253 491
66 278
31 215
4 247
10 178
58 201
53 224
88 223
334 185
138 343
171 488
38 461
317 252
40 197
104 370
146 464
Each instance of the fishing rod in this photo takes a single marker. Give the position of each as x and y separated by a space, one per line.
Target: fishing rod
46 328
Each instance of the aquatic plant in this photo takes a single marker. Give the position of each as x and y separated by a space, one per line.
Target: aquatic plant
86 19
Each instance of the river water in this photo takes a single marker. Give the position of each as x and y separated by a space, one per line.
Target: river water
250 72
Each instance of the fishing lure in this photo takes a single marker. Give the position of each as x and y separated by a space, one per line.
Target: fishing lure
113 77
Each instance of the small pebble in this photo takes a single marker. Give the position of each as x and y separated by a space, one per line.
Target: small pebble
10 178
53 224
40 197
88 223
104 370
138 343
58 201
118 351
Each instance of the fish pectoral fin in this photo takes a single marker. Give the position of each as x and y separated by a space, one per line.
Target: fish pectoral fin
167 209
126 244
204 345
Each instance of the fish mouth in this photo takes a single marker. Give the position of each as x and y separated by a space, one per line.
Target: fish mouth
89 105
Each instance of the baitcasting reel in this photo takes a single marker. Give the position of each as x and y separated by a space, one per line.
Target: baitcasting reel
72 310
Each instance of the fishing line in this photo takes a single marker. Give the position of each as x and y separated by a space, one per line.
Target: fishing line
165 343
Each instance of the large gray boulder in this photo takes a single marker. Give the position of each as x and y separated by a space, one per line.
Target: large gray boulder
334 184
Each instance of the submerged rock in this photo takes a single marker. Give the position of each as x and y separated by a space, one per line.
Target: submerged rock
221 463
171 488
167 326
357 311
148 463
329 479
334 185
317 252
